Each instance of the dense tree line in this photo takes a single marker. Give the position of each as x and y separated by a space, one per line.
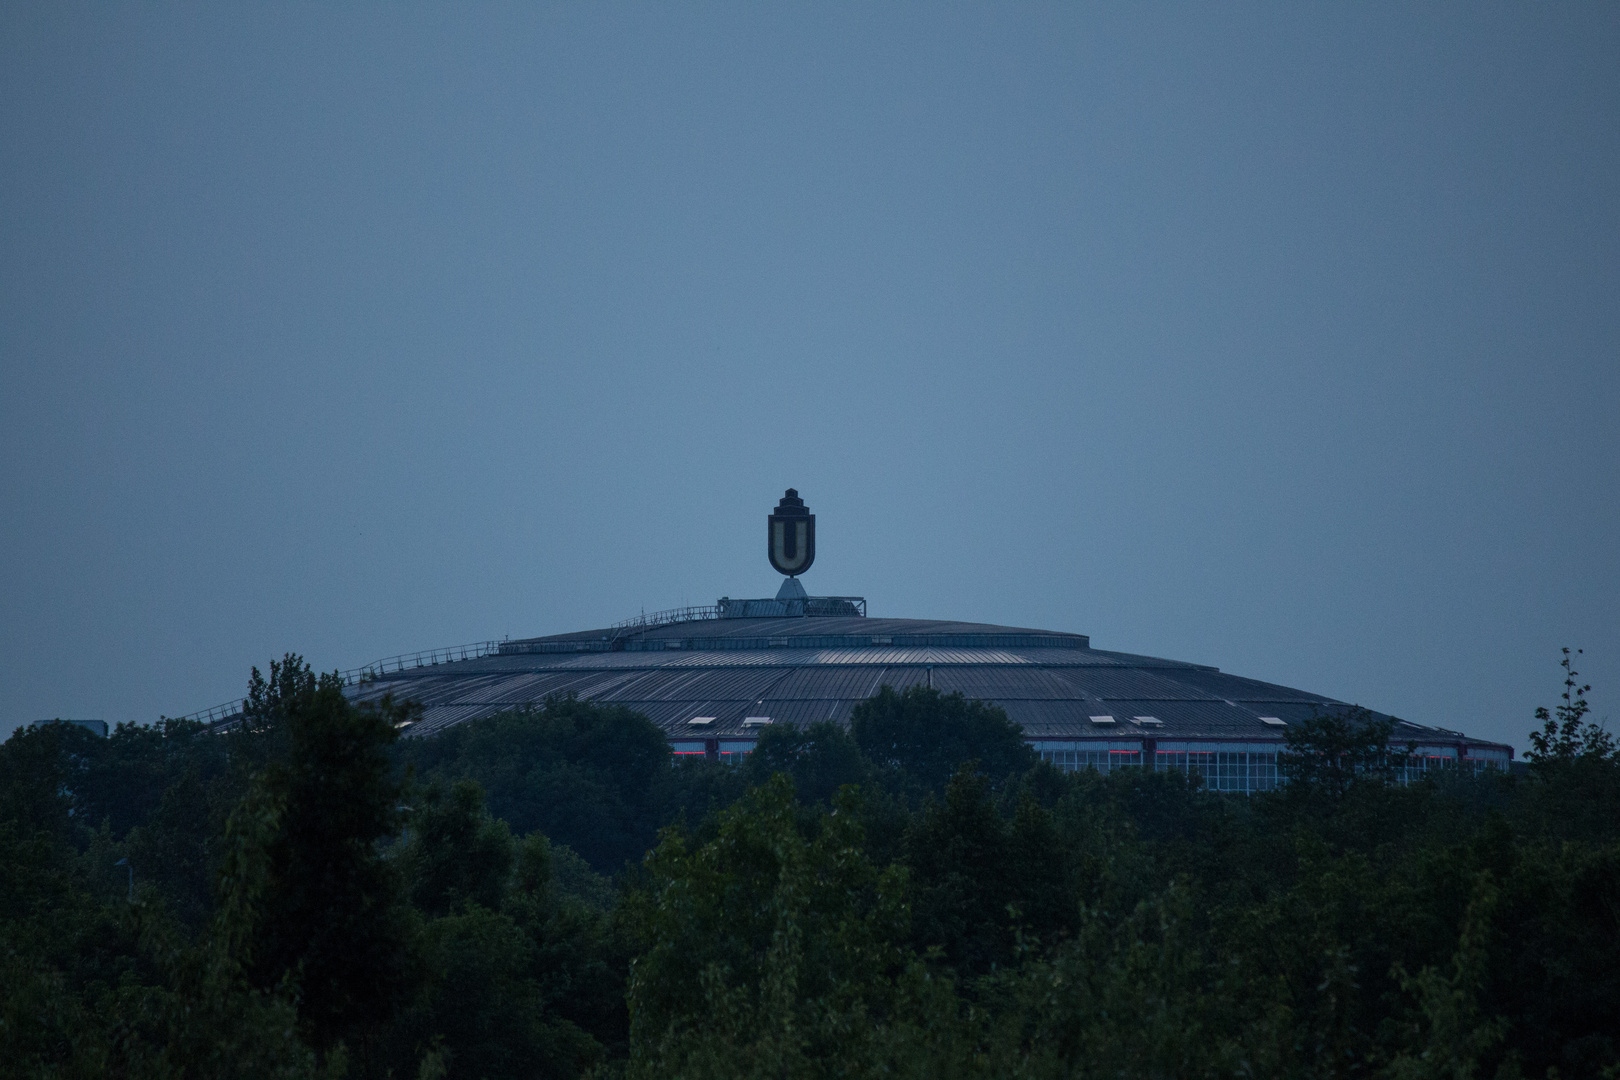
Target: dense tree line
544 893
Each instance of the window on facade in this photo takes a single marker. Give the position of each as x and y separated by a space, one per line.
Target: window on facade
733 752
1423 760
682 750
1223 770
1243 767
1101 760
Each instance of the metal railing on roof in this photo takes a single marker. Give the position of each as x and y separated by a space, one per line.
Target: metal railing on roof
776 609
425 658
648 620
728 608
375 669
814 605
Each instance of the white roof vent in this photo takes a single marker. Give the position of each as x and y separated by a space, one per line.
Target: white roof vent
1102 719
755 721
701 720
1274 721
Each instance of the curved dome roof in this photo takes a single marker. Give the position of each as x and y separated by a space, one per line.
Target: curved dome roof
798 670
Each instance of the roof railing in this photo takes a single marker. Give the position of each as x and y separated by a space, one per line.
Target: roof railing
649 620
729 608
814 605
837 606
373 670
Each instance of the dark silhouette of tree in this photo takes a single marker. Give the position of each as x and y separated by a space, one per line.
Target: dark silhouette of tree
1568 735
318 905
820 758
921 736
593 777
1340 747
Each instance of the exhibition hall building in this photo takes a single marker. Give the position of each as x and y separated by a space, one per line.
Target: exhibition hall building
713 677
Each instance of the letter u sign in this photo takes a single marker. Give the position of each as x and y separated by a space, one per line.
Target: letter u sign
791 536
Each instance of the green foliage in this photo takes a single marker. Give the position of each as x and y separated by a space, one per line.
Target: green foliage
328 911
91 985
920 737
488 1006
845 904
766 952
1338 748
1568 736
457 854
979 881
1150 993
593 777
820 758
176 847
1578 760
1453 1035
509 953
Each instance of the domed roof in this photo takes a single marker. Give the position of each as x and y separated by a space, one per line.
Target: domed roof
711 678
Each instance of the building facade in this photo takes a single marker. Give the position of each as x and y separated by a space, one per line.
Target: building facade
713 677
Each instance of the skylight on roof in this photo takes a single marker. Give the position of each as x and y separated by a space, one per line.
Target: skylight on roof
1102 719
755 721
701 720
1146 720
1274 721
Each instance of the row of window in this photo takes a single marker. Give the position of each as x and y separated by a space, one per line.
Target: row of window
1224 771
1245 770
1418 764
1101 760
732 751
1235 770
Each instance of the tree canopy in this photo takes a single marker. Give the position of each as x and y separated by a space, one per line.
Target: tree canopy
546 893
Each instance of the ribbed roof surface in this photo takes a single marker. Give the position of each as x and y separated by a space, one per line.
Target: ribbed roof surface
801 670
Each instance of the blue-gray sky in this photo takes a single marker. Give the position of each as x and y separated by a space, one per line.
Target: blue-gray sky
1282 338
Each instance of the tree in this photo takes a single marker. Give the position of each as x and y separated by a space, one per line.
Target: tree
457 854
1337 748
769 953
488 1011
978 882
1453 1035
1568 735
313 903
920 736
1143 994
92 984
590 776
1576 766
820 758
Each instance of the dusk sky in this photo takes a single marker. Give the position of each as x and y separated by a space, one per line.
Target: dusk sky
1280 338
